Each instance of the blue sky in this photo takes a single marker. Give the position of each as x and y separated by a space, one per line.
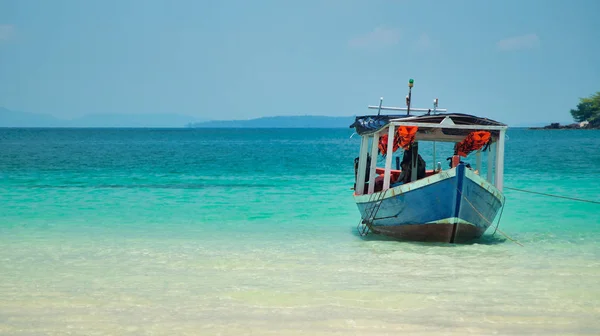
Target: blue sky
514 61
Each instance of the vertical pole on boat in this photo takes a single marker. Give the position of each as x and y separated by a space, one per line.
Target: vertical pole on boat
490 163
388 158
434 165
373 168
414 161
478 165
410 85
380 103
362 165
500 161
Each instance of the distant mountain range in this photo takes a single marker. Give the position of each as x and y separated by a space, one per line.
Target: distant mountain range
306 121
10 118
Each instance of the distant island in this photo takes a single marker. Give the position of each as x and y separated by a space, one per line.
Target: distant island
586 115
9 118
306 121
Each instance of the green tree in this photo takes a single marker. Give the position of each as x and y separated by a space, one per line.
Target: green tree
588 109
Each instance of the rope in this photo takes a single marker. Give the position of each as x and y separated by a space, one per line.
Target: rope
501 212
375 209
557 196
485 219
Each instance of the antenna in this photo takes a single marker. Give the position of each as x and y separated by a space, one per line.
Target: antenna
410 85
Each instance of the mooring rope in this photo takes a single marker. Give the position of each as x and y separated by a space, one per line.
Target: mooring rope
485 219
374 211
557 196
501 212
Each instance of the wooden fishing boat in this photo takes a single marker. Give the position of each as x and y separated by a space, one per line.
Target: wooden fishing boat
454 204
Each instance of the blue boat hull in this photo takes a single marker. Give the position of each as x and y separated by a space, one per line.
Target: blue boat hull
452 206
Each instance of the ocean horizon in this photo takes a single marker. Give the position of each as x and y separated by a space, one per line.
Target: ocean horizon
207 231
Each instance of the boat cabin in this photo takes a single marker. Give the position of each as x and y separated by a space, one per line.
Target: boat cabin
447 138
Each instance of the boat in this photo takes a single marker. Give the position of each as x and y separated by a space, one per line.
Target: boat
450 203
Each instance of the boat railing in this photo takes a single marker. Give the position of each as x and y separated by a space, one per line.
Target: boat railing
408 109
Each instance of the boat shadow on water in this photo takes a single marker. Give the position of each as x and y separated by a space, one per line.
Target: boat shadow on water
486 239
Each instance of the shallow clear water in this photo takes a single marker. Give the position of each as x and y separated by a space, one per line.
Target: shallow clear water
193 231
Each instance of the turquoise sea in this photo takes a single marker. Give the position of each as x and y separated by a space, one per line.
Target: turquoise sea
253 231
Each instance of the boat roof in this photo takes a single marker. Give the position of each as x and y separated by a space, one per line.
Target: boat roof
441 126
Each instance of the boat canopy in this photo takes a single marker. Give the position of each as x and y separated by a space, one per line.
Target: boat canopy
452 127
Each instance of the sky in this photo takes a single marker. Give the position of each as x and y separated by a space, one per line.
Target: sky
517 62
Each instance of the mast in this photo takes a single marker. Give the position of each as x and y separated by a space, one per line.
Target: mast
410 85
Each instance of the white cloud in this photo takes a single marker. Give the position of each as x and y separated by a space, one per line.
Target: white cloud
528 41
379 37
425 43
6 31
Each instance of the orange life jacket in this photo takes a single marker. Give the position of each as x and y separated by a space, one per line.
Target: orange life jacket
405 136
383 142
474 141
